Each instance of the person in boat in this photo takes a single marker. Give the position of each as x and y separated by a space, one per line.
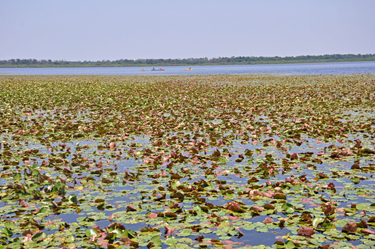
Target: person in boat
153 69
189 68
160 68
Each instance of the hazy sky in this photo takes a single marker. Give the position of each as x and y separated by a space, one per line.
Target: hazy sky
122 29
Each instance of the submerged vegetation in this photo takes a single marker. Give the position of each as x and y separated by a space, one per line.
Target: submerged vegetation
228 161
240 60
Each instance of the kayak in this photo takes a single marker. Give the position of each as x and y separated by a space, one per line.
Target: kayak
189 69
161 69
143 70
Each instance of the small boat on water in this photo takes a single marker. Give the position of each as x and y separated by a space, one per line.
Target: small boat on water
157 69
143 70
189 69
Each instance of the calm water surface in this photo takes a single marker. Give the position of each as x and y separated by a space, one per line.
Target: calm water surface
286 69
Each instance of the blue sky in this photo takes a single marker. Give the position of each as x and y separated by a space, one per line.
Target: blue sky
109 30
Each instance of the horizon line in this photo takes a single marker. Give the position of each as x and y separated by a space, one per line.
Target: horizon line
190 58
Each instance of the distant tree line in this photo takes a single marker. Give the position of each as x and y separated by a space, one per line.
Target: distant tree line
240 60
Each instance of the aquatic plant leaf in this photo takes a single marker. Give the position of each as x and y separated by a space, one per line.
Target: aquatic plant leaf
350 227
306 231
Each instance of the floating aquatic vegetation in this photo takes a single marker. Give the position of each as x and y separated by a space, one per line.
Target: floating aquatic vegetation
209 161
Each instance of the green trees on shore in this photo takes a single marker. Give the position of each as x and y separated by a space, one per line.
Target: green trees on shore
240 60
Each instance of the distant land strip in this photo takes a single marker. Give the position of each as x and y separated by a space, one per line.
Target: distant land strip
241 60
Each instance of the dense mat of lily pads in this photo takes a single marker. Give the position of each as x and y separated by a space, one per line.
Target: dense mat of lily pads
229 161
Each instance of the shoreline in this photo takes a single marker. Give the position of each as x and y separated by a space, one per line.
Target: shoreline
182 65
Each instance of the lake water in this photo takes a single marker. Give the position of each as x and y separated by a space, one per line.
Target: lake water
285 69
